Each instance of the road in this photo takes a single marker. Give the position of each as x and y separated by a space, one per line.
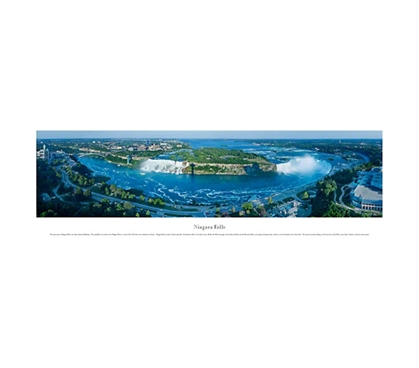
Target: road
343 205
194 211
163 211
342 194
57 195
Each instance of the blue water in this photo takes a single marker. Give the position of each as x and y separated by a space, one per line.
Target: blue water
298 168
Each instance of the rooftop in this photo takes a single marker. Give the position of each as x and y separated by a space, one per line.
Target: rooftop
373 178
369 187
369 194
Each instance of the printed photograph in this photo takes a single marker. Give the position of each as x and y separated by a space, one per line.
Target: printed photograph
216 174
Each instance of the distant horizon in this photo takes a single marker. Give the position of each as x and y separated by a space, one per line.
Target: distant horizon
217 139
222 135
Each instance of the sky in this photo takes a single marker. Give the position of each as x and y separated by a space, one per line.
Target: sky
225 134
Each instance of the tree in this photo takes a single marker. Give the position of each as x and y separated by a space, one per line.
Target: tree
78 192
128 205
142 198
48 213
305 195
327 186
87 193
108 212
270 200
96 209
247 206
336 211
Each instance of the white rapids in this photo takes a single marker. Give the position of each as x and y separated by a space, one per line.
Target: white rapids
163 166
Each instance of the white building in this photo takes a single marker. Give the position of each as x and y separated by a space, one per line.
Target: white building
368 192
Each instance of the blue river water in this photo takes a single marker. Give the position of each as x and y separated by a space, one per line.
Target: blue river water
160 177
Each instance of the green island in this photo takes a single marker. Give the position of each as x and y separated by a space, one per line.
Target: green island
223 161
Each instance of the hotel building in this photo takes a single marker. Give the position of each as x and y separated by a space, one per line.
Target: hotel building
368 191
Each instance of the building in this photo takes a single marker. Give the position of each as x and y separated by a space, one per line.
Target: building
368 192
43 153
154 147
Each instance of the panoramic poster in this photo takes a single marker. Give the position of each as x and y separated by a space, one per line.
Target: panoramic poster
213 174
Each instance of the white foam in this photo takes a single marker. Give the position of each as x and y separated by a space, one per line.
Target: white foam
303 165
163 166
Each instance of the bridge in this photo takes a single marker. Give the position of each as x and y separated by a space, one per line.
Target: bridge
128 158
92 154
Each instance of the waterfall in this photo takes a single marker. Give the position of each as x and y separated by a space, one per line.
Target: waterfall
163 166
304 165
